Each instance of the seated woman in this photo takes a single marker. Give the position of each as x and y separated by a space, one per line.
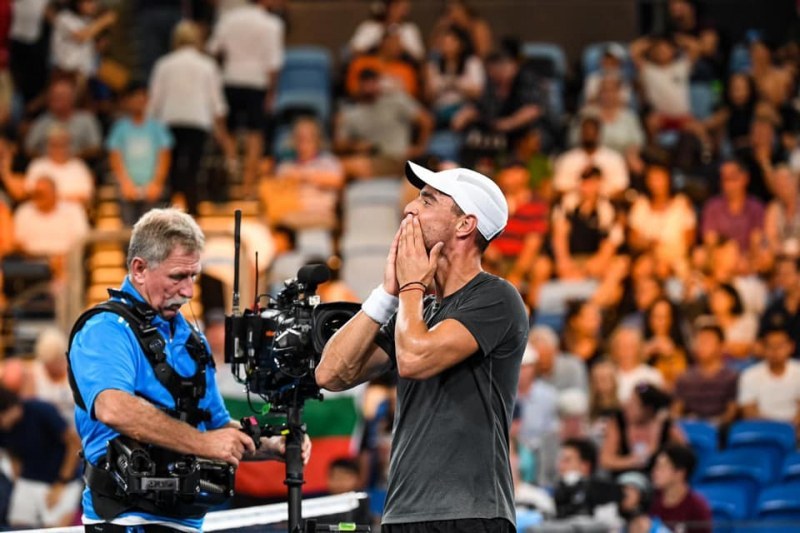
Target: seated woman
396 70
73 180
664 346
782 218
305 189
740 327
638 431
455 77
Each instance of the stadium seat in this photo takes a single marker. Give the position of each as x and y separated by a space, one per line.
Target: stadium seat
552 53
315 101
446 145
309 56
740 59
702 100
728 503
790 470
362 267
765 438
593 54
780 503
740 467
703 437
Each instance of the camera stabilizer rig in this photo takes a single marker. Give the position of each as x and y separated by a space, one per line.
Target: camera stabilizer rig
274 351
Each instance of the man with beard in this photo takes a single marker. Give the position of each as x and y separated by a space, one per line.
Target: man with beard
456 352
589 153
119 353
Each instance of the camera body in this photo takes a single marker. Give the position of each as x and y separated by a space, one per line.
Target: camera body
274 351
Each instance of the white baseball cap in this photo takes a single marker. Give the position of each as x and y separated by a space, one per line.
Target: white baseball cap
473 192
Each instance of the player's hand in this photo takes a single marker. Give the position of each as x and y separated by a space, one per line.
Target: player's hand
227 444
413 262
390 273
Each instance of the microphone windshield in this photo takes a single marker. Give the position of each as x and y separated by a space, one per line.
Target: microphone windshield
313 274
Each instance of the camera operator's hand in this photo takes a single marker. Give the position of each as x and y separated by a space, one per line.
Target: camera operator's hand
227 444
277 447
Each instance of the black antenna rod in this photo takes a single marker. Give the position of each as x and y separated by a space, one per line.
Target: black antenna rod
237 243
255 287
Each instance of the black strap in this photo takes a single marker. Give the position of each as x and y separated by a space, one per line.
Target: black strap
185 391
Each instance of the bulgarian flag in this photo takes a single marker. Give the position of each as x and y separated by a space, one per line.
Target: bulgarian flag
333 424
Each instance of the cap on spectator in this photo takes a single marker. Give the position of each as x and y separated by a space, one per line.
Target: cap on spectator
134 86
634 479
615 50
775 320
473 192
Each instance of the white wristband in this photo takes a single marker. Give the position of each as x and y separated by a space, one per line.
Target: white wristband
380 306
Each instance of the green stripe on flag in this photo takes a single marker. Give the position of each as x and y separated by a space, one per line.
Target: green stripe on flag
329 418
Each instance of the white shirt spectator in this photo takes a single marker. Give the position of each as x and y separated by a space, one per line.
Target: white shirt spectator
667 227
572 163
250 40
186 90
27 19
73 179
447 88
627 380
776 397
666 88
53 233
369 33
67 52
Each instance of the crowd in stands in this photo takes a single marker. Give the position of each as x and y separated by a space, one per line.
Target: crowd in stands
654 227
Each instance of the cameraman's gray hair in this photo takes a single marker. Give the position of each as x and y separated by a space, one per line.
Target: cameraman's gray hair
159 232
545 335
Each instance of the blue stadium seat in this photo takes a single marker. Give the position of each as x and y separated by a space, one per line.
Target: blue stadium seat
740 466
702 100
703 437
791 467
739 60
308 56
550 52
779 503
765 438
727 501
313 101
593 53
446 145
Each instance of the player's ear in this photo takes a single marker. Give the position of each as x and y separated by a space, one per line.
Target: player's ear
466 225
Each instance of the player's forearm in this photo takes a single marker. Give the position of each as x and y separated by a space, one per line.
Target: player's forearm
136 418
411 334
345 356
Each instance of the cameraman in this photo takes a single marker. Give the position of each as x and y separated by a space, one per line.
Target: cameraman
457 356
119 394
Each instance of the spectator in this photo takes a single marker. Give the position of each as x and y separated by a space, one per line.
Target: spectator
516 252
663 222
73 179
620 127
676 504
604 399
139 156
611 67
626 352
527 151
249 40
389 13
664 74
47 227
190 114
733 214
344 475
787 274
314 175
579 491
782 216
638 431
50 383
707 391
153 23
771 388
664 348
83 127
635 503
585 231
457 13
562 370
28 50
6 230
46 492
512 101
582 332
454 78
774 81
376 132
395 71
684 23
75 30
760 157
730 123
571 165
740 327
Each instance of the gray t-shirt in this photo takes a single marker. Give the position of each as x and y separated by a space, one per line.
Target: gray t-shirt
450 446
386 123
83 128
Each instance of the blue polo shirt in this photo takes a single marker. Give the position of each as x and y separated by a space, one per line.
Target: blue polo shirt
105 354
